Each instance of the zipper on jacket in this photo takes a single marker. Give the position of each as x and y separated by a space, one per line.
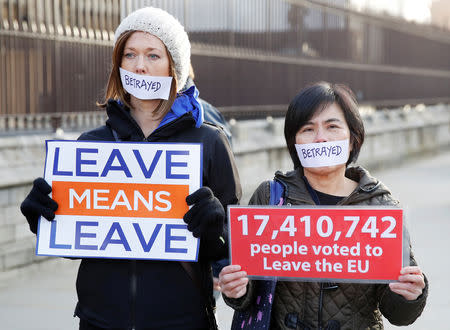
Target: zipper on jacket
169 124
323 287
133 290
319 313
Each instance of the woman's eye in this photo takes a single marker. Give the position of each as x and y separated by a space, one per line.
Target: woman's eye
128 55
153 56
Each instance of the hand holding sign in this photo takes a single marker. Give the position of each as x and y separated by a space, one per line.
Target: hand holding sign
233 281
411 283
38 203
205 219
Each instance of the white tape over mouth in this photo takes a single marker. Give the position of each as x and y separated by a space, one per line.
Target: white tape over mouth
146 87
324 153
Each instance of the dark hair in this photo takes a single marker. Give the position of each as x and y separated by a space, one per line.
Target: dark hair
114 88
317 97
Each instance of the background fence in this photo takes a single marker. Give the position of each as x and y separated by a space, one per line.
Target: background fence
55 54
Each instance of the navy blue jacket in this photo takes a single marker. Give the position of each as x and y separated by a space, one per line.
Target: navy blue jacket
144 294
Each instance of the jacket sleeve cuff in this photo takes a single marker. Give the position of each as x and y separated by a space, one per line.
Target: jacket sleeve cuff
400 311
242 302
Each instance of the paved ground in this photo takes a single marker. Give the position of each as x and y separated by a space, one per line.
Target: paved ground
45 298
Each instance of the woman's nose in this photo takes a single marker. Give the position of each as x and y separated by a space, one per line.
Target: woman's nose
140 65
320 136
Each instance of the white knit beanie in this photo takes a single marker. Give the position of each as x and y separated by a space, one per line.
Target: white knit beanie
167 28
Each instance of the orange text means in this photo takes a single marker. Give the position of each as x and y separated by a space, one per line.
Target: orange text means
120 199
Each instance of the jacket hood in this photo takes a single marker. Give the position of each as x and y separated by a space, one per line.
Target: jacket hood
185 102
368 186
127 129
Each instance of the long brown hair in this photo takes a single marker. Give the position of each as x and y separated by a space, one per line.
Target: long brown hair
115 90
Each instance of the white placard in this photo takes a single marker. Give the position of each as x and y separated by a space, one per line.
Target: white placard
145 87
120 200
323 154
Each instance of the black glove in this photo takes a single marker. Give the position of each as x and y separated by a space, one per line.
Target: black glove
38 203
205 219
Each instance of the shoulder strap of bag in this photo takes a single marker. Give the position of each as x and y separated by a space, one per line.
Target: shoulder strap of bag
277 192
257 315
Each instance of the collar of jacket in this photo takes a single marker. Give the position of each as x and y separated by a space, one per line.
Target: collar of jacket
120 120
368 186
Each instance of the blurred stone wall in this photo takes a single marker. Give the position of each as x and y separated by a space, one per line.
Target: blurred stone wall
391 136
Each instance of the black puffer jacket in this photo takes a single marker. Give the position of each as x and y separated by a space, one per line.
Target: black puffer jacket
139 294
347 305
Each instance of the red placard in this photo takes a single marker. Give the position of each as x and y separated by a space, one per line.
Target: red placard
362 244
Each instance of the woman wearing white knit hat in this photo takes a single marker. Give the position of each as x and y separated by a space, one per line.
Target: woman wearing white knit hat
143 101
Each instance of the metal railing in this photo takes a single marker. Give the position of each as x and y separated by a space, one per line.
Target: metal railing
55 54
51 122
